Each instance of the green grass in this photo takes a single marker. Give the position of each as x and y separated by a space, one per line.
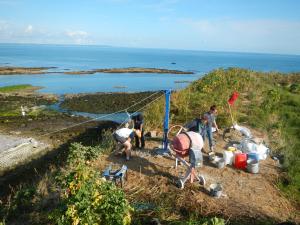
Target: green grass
269 102
13 88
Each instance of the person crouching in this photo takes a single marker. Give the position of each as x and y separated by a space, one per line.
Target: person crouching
124 137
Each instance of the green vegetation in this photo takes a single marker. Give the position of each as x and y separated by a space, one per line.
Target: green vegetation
269 102
80 154
83 196
75 193
88 199
14 88
108 102
11 104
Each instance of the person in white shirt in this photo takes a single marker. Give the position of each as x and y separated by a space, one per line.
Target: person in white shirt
124 136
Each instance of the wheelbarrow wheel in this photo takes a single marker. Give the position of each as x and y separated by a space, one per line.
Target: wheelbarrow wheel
202 180
180 184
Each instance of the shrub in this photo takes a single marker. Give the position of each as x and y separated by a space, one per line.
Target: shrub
79 153
88 199
295 88
107 142
22 201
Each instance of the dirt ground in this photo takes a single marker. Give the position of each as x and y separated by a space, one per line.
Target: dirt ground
152 179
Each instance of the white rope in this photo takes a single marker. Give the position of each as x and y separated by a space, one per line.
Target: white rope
100 117
140 109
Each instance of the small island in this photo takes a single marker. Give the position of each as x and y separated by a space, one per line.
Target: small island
130 70
8 70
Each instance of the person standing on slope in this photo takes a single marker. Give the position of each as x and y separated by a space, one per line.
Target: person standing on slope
138 123
211 123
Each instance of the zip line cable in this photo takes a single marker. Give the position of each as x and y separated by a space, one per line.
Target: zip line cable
140 109
101 117
128 114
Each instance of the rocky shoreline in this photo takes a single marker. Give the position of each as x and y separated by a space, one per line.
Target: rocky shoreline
7 70
107 102
43 70
130 70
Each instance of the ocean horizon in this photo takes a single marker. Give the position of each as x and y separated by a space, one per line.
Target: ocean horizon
149 48
88 57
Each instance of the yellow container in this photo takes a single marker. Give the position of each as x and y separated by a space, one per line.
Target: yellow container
231 148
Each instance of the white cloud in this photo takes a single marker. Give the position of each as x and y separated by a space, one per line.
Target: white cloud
251 35
78 36
29 29
19 33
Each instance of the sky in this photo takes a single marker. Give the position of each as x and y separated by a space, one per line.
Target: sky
263 26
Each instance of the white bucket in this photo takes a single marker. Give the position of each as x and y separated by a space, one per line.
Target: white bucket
228 157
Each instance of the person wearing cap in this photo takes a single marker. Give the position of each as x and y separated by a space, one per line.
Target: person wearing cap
124 137
211 123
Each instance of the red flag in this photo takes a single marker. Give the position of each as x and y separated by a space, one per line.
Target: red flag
233 98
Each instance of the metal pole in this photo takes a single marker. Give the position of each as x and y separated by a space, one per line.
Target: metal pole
166 120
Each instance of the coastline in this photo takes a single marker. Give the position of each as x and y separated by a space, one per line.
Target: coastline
7 70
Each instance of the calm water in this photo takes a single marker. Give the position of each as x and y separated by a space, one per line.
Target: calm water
93 57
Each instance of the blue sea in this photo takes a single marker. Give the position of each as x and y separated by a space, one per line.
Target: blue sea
70 57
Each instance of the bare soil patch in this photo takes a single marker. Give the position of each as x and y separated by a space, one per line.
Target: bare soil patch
152 179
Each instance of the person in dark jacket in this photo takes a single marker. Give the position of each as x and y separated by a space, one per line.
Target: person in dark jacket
138 123
197 125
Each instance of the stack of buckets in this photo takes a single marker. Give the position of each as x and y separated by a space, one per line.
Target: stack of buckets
241 160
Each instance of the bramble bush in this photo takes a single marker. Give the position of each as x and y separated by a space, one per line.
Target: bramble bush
79 153
89 199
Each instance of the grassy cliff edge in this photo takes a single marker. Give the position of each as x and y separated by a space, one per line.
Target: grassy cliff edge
269 102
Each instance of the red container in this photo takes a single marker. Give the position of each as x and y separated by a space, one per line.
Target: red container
240 160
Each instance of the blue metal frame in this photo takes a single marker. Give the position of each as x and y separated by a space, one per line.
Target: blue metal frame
166 120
